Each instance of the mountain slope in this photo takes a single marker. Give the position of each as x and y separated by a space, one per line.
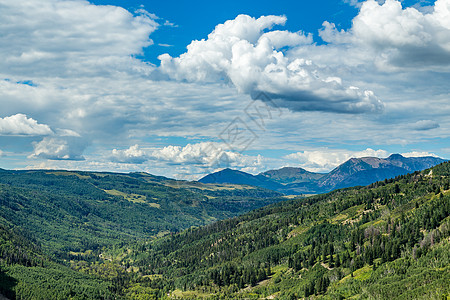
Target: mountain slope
389 240
289 175
365 170
230 176
26 273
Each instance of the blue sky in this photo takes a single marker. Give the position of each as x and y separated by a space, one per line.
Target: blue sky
194 20
184 88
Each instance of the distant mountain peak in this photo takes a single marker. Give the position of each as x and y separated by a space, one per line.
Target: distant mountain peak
353 172
231 176
291 175
395 156
366 170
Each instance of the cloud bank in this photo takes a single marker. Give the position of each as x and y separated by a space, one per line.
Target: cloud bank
244 53
132 155
297 73
70 38
192 160
209 155
58 149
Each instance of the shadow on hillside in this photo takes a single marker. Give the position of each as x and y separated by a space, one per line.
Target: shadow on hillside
7 284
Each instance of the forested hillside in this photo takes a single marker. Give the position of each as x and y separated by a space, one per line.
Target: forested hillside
26 273
389 240
79 211
49 219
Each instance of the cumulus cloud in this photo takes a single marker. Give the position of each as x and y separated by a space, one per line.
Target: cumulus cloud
58 149
425 125
20 124
399 37
70 38
132 155
207 157
327 159
244 53
189 162
205 153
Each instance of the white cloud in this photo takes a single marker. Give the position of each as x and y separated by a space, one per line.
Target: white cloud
20 124
70 38
164 45
370 153
190 162
132 155
195 160
241 52
206 154
58 149
327 159
170 24
67 132
399 37
418 154
425 125
201 153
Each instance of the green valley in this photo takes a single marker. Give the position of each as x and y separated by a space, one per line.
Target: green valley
79 211
388 240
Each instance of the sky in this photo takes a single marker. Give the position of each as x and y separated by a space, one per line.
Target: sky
186 88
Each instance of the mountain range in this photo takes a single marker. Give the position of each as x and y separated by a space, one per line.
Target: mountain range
353 172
